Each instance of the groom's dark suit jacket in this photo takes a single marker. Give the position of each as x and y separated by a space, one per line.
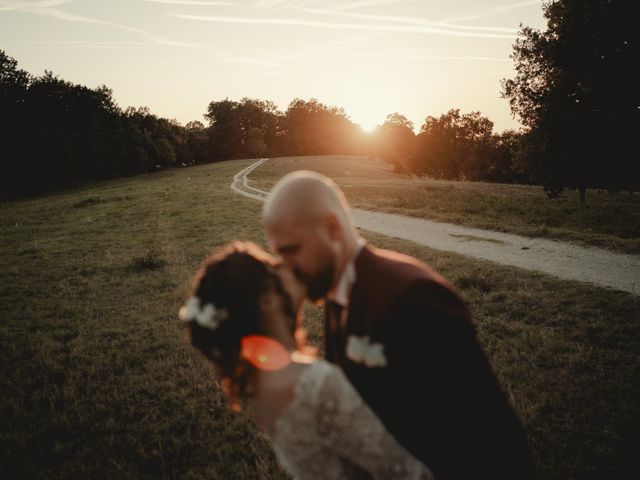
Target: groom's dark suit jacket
438 394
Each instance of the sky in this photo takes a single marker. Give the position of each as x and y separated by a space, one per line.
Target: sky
418 58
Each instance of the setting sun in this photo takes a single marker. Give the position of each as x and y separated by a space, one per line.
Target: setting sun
366 105
367 126
371 58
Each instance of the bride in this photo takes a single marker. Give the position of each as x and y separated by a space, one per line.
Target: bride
243 316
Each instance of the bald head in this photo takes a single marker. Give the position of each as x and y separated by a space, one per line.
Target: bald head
306 196
308 223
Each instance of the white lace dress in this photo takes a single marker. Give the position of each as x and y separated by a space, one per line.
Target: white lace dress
328 432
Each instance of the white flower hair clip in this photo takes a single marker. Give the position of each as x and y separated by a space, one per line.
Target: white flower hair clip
362 350
207 315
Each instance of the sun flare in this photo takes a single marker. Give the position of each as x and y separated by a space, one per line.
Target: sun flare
368 119
367 109
368 127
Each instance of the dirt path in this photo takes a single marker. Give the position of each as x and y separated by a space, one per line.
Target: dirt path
561 259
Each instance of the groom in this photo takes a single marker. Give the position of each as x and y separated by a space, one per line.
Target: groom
401 334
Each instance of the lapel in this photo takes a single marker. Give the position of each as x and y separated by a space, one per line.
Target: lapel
335 341
363 306
358 317
357 310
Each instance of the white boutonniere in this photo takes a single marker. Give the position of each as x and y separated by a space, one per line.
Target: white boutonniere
361 350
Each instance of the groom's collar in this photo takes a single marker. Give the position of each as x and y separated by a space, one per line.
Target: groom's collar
340 294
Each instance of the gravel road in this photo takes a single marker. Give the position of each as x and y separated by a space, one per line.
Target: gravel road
561 259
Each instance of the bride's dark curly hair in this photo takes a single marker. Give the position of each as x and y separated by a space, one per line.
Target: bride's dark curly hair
234 278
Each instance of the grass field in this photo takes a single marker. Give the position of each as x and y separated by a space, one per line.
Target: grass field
97 380
609 221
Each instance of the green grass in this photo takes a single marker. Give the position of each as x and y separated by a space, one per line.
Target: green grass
98 381
608 220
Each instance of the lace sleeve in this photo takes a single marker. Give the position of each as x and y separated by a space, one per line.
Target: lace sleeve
347 425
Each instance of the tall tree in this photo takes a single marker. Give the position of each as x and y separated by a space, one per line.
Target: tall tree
504 162
14 87
394 142
195 148
224 127
255 143
454 146
312 128
14 82
230 124
576 91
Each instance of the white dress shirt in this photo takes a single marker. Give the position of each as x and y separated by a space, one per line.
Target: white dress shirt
342 291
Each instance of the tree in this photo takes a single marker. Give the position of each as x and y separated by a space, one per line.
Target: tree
230 123
255 142
258 117
312 128
454 146
155 140
72 129
504 163
195 148
577 94
14 87
14 82
394 142
224 127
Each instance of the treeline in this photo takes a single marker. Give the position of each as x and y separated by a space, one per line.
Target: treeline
57 134
453 146
575 91
253 128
